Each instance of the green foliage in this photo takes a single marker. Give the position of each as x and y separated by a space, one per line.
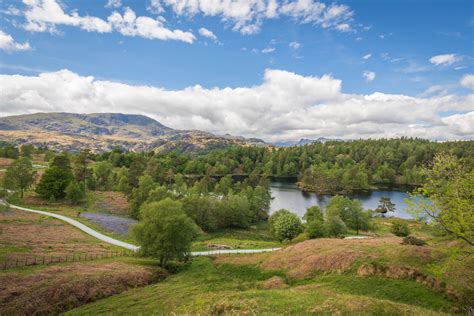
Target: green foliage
19 175
74 192
447 197
412 240
56 178
103 174
9 151
164 231
400 229
314 222
335 226
286 225
140 194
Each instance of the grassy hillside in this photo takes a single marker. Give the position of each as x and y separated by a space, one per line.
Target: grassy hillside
374 276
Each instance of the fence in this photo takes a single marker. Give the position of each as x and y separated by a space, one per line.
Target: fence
44 260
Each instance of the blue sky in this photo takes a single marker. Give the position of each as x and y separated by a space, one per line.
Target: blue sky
419 49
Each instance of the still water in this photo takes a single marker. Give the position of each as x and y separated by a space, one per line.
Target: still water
287 195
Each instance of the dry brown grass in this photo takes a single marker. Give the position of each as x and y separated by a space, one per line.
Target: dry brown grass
274 282
303 259
27 234
56 289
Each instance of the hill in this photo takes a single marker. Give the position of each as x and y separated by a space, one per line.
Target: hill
104 131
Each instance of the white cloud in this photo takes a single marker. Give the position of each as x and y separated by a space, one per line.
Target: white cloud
284 106
7 43
247 16
368 75
445 60
367 56
113 4
467 81
268 50
46 15
343 27
155 7
129 24
206 33
295 45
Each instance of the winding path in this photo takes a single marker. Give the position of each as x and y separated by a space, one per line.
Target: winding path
128 246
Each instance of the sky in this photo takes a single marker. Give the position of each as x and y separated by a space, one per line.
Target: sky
274 69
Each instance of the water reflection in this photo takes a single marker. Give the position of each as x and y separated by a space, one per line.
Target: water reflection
288 195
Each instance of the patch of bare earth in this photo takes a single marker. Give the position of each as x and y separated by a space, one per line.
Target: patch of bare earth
56 289
35 235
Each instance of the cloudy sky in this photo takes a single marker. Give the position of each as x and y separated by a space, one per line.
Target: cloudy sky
273 69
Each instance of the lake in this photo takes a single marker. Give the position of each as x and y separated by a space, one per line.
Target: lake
287 195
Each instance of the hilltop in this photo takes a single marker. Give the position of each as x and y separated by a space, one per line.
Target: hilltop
104 131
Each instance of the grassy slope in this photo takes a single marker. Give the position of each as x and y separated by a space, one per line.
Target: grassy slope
211 289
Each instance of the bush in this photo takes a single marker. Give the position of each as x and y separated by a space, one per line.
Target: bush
412 240
301 237
287 226
74 193
400 229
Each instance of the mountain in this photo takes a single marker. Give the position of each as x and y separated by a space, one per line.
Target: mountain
104 131
305 141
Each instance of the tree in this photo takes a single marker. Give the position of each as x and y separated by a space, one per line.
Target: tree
103 172
56 178
135 171
20 175
314 222
447 197
385 206
26 150
140 194
164 231
74 192
287 225
335 226
79 167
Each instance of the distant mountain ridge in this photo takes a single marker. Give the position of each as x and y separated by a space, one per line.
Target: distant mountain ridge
104 131
305 141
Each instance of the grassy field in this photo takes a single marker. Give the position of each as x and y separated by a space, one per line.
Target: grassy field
325 276
50 289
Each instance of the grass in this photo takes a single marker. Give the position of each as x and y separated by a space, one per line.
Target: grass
205 287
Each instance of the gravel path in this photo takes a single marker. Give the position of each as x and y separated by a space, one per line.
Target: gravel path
125 245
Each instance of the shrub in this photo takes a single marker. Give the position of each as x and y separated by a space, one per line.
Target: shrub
287 226
400 229
301 237
412 240
74 192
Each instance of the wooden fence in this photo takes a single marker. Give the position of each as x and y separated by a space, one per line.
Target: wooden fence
44 260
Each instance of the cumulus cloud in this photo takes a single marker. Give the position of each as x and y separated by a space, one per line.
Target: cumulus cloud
284 106
294 45
206 33
155 7
268 50
467 81
129 24
113 4
247 16
367 56
368 75
8 44
47 15
44 15
445 60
